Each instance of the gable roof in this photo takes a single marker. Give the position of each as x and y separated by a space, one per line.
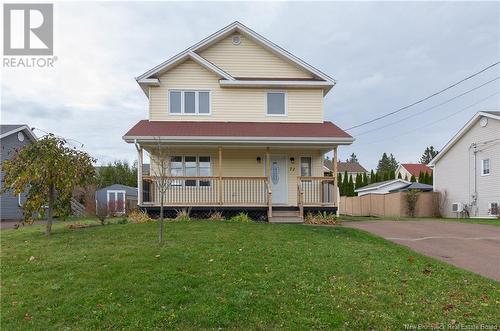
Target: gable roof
415 168
222 33
8 129
382 184
344 166
489 114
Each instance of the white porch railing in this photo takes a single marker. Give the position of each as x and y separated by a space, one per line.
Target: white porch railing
210 191
316 192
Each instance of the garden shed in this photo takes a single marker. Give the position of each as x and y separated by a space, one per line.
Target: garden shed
117 199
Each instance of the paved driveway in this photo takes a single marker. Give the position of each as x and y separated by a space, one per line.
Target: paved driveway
474 247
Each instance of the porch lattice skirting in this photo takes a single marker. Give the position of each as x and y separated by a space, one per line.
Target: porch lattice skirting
250 194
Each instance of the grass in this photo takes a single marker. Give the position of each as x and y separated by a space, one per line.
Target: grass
489 221
230 275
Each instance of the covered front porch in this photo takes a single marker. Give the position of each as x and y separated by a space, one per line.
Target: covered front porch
245 177
275 168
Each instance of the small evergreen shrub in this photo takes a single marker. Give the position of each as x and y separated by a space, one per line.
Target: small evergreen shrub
241 217
122 221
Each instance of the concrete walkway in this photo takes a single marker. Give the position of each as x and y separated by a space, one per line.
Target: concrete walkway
474 247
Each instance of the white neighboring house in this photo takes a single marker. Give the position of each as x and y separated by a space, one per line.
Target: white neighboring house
468 168
383 187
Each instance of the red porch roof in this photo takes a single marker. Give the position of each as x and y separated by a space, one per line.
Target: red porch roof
147 128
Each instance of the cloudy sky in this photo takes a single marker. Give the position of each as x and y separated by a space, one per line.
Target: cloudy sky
383 55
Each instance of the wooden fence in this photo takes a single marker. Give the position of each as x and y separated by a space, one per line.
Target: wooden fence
389 205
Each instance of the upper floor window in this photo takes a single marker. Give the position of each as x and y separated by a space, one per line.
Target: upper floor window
276 103
485 167
189 102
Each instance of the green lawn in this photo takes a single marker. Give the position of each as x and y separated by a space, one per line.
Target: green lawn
443 219
227 275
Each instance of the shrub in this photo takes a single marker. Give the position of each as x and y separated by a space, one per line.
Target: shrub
138 216
216 216
122 221
183 214
321 218
411 198
241 217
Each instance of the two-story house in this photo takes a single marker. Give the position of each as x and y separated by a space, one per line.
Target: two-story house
241 120
467 169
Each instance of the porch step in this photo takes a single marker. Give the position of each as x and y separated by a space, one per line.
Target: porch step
286 216
286 213
286 219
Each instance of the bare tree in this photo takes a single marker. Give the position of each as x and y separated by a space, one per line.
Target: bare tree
160 169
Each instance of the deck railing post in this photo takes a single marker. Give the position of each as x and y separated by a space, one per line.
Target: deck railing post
335 179
139 174
221 183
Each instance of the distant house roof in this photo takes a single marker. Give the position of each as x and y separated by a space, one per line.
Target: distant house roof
415 186
344 166
416 168
8 129
489 114
381 184
230 131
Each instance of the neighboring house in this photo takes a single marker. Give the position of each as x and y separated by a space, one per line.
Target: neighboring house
467 169
13 137
352 168
117 199
412 169
242 121
384 187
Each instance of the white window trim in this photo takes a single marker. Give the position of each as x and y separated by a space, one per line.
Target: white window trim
482 167
197 156
196 102
489 208
115 192
286 104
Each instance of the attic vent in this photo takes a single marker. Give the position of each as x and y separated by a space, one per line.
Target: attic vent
236 40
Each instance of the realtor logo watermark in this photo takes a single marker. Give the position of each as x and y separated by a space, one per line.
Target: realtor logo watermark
28 30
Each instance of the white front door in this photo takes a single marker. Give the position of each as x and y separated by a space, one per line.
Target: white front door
279 178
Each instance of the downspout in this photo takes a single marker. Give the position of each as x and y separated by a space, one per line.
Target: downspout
474 179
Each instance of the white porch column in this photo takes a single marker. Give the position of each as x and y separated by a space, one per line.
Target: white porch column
139 174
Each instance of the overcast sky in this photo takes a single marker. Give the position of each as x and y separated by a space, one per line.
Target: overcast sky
383 56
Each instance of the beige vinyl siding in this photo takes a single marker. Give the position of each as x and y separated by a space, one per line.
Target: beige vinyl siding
231 104
243 163
250 60
454 174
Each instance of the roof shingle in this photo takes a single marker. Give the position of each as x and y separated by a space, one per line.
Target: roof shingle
147 128
416 168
